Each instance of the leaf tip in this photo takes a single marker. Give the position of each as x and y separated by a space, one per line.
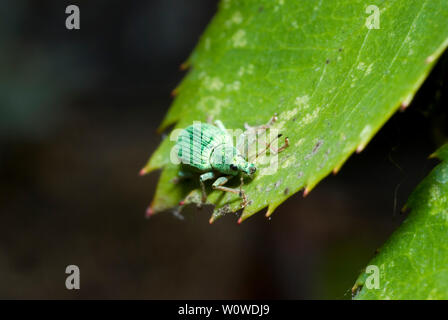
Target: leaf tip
403 106
404 209
184 66
149 212
306 191
269 212
174 92
360 148
430 59
148 169
168 121
356 289
406 102
335 170
160 129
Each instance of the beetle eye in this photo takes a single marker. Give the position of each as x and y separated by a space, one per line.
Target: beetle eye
233 167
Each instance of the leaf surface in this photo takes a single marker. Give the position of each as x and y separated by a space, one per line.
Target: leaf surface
332 81
413 263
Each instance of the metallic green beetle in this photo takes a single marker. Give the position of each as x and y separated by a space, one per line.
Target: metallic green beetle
209 150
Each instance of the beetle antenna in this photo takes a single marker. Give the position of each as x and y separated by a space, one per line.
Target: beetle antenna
242 194
241 185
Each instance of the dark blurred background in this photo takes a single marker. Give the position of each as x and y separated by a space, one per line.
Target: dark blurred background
78 113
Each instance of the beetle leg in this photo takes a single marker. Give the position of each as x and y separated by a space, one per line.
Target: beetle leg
283 147
262 127
221 181
202 178
271 149
242 194
220 125
251 136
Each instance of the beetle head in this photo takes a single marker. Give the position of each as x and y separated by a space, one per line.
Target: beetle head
226 159
239 164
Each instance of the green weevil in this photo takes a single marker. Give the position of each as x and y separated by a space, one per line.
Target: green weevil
209 150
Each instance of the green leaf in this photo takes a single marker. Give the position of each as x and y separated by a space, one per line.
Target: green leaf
333 82
413 263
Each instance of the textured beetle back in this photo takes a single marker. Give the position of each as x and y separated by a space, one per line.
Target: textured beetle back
196 143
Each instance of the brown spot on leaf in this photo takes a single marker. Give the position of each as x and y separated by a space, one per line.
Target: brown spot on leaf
317 146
